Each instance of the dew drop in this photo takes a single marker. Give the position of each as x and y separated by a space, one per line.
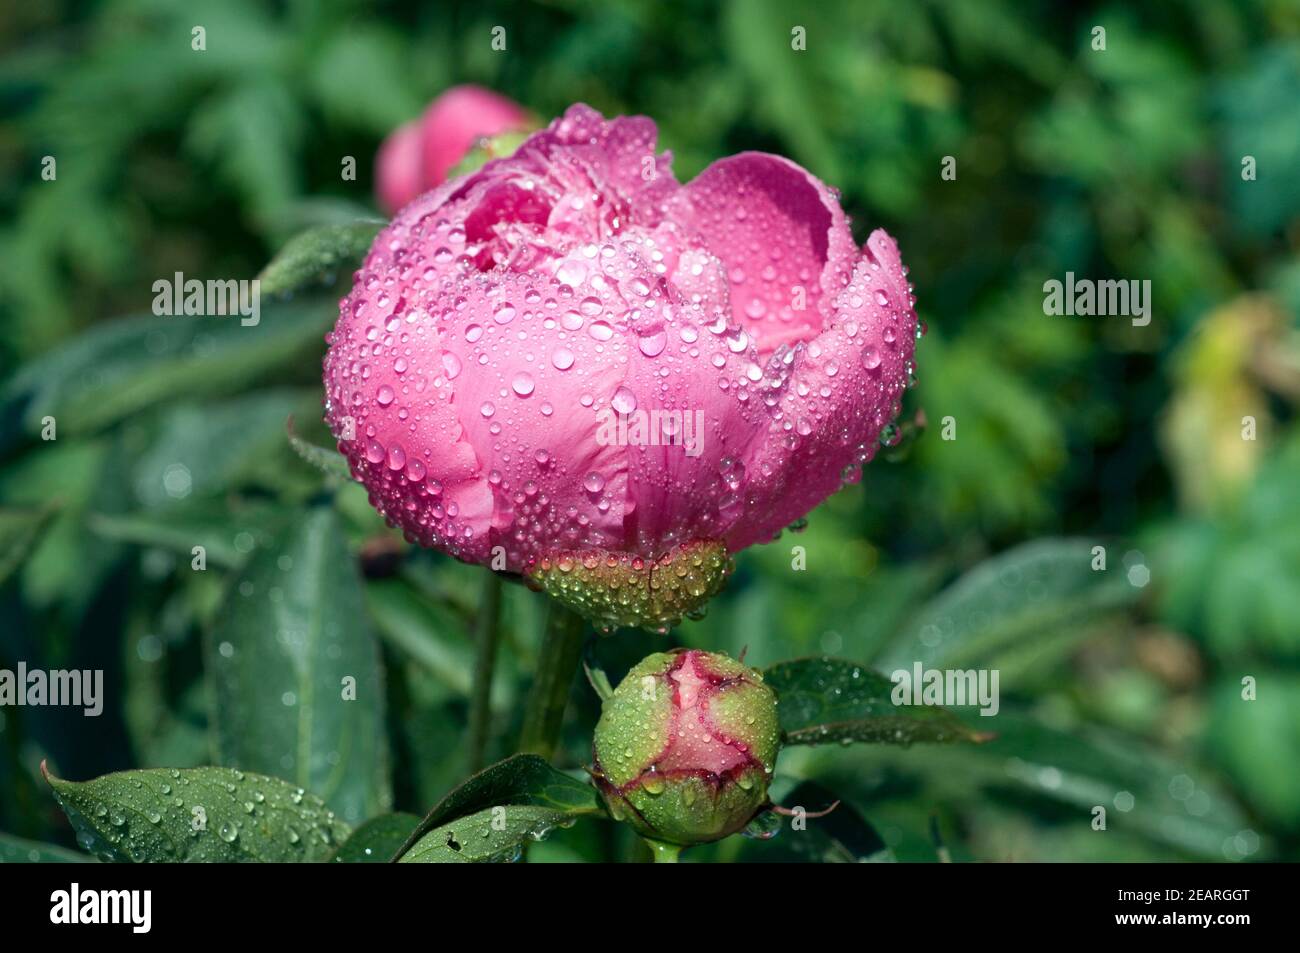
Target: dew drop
652 345
522 384
623 401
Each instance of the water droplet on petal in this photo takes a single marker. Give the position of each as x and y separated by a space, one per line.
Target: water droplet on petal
652 345
623 401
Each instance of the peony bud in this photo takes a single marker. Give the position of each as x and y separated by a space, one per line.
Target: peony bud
418 156
685 746
569 366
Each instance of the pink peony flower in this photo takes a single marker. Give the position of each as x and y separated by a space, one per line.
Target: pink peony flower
417 156
750 351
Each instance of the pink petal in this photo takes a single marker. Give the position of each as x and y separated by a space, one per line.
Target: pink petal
842 389
782 236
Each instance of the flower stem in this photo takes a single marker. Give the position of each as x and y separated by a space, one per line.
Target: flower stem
663 853
486 635
557 664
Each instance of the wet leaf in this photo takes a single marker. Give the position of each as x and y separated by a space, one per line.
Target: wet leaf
495 834
16 850
520 780
227 529
297 683
122 366
1026 598
377 840
824 700
198 814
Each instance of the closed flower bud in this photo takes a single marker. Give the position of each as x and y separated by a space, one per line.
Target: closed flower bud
685 747
420 155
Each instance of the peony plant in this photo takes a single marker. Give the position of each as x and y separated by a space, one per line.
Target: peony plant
559 363
568 367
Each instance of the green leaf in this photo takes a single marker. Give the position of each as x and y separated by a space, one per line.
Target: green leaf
520 781
360 79
213 447
251 133
19 531
1144 792
122 366
485 150
842 836
16 850
429 633
1045 781
198 814
1249 739
296 671
495 834
318 254
1026 600
824 700
377 840
228 529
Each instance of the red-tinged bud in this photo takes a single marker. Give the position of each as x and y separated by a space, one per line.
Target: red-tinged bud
685 747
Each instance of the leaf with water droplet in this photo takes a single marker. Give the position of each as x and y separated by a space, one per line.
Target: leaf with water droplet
16 850
765 825
225 527
1148 795
825 700
125 365
310 255
520 780
111 815
375 841
298 689
1023 607
493 834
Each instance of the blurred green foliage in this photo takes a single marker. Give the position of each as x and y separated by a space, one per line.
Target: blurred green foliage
1070 432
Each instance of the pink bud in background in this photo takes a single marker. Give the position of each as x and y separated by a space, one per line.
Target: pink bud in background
399 176
568 365
418 155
